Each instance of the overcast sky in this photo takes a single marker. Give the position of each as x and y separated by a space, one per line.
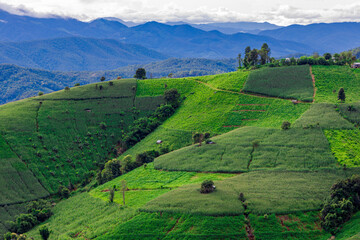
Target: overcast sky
195 11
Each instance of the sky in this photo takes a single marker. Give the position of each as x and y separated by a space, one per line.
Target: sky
193 11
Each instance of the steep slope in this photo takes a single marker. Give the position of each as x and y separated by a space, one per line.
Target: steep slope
61 138
280 179
75 54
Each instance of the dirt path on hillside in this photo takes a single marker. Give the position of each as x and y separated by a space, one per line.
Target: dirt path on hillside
246 94
313 81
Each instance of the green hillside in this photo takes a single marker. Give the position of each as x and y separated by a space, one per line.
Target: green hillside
293 82
284 175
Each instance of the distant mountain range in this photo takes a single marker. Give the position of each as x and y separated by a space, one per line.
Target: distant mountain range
71 45
19 82
323 37
173 41
76 54
232 27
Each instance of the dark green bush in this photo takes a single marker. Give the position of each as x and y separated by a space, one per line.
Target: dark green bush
285 125
207 186
63 192
344 201
44 232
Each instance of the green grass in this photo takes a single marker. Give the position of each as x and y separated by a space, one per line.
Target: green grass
83 216
17 183
351 229
323 115
179 226
149 178
352 114
233 81
329 79
124 88
266 192
286 82
278 149
292 226
345 145
268 112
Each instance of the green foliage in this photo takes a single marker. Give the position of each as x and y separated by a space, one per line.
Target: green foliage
287 82
23 223
345 146
111 170
140 73
343 202
285 125
111 194
63 192
44 232
146 157
341 95
172 97
207 186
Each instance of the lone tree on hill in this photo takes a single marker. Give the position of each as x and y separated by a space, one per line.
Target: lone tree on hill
123 188
102 78
207 186
112 194
341 95
285 125
140 73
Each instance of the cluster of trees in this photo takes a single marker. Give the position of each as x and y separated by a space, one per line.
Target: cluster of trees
255 57
37 212
143 126
138 131
344 201
116 167
344 58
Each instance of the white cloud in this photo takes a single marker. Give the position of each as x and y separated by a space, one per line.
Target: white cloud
189 10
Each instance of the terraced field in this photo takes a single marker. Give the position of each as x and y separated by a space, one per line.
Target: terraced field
294 82
285 175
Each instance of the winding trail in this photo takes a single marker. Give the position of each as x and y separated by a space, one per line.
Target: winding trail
247 94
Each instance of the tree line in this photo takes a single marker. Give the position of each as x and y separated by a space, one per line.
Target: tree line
255 58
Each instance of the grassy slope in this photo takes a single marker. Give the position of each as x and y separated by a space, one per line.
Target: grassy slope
329 79
58 135
278 149
323 115
210 110
287 82
263 189
266 192
56 138
351 229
